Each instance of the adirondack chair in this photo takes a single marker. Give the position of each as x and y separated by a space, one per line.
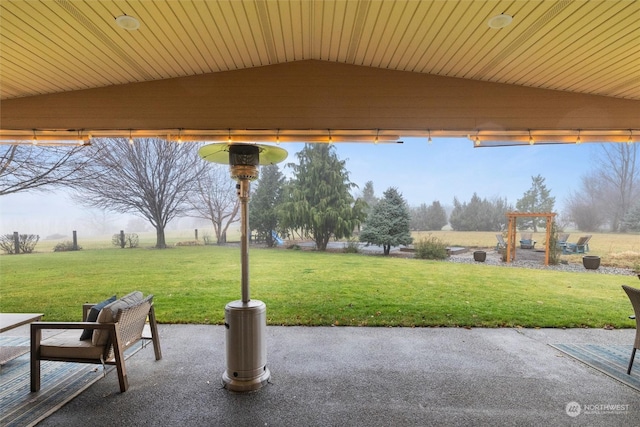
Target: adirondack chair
562 240
580 247
526 241
501 243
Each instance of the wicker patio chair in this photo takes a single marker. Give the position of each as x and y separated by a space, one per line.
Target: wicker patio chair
114 332
634 297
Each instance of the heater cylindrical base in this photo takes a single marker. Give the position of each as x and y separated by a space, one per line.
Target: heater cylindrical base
246 348
244 386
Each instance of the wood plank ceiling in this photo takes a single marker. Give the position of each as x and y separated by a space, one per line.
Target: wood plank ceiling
590 47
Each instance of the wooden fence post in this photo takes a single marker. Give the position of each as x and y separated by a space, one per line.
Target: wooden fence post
122 239
16 242
75 240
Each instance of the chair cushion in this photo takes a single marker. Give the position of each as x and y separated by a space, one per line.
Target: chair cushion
93 316
109 313
66 345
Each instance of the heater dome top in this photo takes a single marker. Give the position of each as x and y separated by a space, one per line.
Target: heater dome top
223 153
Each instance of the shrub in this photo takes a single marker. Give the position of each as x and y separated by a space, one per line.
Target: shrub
188 243
206 238
26 243
351 246
131 240
503 250
431 248
7 244
65 246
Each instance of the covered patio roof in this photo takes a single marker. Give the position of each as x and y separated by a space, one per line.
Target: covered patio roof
330 71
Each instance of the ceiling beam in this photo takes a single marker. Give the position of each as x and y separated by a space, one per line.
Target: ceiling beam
322 95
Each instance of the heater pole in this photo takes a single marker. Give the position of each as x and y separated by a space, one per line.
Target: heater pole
243 195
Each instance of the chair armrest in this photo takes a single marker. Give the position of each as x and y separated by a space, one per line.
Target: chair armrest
36 334
70 325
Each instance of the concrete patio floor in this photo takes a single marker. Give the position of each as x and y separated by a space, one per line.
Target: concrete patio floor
345 376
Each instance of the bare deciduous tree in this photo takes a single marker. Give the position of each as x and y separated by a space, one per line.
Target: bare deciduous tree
215 199
620 169
609 191
151 178
583 207
33 167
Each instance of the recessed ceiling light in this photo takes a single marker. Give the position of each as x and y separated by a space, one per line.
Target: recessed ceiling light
500 21
127 22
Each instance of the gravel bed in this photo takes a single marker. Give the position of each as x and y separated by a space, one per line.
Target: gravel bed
494 258
524 259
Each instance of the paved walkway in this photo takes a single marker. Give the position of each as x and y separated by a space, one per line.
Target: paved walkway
344 376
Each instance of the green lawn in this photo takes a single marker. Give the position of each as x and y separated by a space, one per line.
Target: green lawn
193 284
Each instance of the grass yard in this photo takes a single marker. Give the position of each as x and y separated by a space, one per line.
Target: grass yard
193 284
615 250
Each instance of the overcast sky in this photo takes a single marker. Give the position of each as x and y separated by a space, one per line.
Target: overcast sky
422 172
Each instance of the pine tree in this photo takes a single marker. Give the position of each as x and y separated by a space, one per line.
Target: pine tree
479 214
318 199
369 196
418 217
388 224
265 202
436 216
536 199
632 219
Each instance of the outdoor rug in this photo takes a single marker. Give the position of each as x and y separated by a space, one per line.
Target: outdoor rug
612 360
60 382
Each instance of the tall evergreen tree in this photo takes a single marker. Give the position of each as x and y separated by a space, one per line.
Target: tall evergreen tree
418 217
265 202
479 214
632 218
318 200
369 196
388 224
457 217
436 216
536 199
432 217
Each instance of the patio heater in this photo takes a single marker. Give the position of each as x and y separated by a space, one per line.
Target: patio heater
245 319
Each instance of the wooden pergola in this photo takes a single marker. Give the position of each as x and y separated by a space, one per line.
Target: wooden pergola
511 233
